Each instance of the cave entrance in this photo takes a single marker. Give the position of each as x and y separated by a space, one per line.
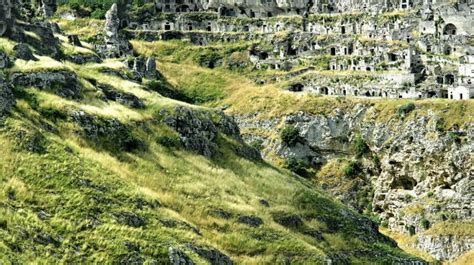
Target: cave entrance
324 91
298 87
403 182
449 30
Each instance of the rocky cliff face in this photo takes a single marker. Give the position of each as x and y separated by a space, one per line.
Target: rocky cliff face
419 172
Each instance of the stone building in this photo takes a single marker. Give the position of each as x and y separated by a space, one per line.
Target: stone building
411 53
464 89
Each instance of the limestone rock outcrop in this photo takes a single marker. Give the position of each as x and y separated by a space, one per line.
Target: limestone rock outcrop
48 7
63 83
4 60
425 172
198 131
7 99
115 46
6 16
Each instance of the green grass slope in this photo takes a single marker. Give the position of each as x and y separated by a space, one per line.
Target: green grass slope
95 181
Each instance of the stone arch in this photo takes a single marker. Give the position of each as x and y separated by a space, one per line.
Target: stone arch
324 90
449 29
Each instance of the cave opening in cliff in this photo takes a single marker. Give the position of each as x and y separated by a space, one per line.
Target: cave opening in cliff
404 183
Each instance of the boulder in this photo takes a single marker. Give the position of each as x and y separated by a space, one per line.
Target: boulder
7 99
151 71
23 52
213 256
130 219
178 257
124 98
252 221
48 7
62 83
4 61
74 40
288 220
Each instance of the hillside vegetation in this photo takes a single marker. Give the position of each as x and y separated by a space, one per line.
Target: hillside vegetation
87 179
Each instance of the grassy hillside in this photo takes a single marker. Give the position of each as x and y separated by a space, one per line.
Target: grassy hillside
91 180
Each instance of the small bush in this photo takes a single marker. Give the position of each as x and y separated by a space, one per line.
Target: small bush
377 163
411 230
290 135
408 198
297 166
406 109
168 141
209 59
307 200
98 14
440 124
360 146
257 144
430 194
53 114
425 223
353 169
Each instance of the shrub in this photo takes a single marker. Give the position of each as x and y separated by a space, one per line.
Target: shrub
297 166
353 169
360 146
430 194
377 163
406 109
166 90
425 223
257 144
209 59
290 135
306 200
408 198
168 141
411 230
98 14
440 124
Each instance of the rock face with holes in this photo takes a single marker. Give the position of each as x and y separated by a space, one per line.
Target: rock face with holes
7 99
48 7
115 45
6 16
4 60
199 130
423 175
62 83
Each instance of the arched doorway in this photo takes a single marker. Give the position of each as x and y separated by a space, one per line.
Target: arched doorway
324 91
449 30
449 79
